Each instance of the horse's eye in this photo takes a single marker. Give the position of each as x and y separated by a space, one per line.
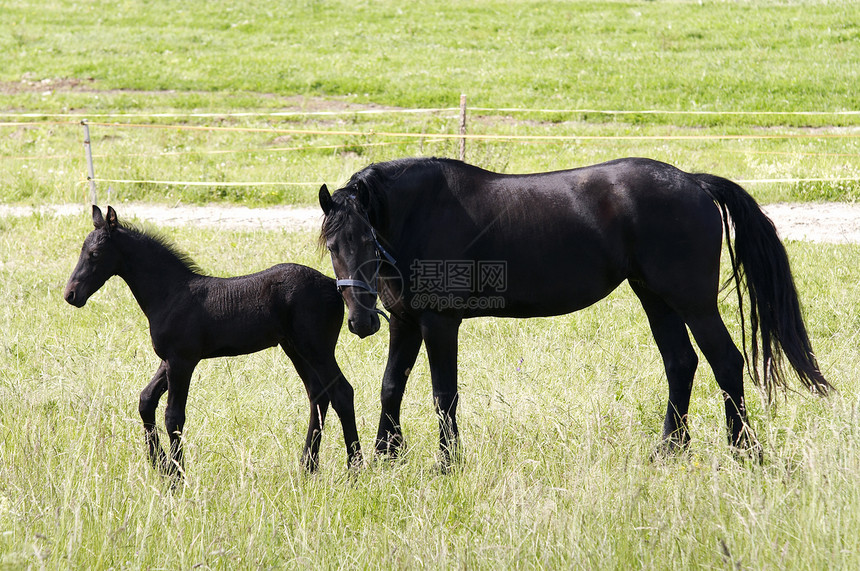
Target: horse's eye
94 255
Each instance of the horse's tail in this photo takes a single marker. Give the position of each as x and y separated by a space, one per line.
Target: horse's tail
760 262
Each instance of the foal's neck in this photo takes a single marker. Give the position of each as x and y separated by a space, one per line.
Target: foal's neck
153 270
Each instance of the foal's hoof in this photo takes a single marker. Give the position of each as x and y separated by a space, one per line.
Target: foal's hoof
355 463
446 467
391 448
173 475
310 464
752 452
449 460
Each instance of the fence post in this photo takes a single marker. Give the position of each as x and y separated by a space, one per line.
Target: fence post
463 127
91 176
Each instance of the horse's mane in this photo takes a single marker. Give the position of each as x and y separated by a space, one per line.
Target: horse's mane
371 184
161 243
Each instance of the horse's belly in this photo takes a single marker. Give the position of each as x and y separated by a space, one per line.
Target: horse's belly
541 300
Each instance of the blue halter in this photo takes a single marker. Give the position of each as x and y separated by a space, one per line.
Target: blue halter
381 252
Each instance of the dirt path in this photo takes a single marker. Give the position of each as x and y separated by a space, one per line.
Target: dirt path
834 223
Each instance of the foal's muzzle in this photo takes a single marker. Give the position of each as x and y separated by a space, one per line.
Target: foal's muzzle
71 296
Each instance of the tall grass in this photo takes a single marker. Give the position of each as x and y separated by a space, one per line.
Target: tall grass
559 417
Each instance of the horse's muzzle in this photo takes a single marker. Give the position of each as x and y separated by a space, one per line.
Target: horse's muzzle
364 324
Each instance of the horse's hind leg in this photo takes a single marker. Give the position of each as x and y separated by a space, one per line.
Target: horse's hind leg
342 398
319 402
679 360
149 398
727 362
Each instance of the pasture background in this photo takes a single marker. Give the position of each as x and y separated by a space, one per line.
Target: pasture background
292 92
559 416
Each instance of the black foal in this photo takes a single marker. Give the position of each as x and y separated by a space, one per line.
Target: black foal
193 317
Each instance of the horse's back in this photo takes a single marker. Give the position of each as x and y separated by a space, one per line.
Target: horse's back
568 238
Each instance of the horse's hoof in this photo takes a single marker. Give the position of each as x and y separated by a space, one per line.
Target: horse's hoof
746 447
669 447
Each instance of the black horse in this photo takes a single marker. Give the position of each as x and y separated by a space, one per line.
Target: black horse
443 241
193 317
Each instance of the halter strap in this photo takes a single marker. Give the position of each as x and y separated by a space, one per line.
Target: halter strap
380 253
380 249
355 283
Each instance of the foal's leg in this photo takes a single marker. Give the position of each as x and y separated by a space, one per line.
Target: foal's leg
342 398
178 381
440 336
318 400
679 360
404 344
325 383
149 398
728 364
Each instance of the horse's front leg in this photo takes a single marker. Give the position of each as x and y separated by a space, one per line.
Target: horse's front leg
178 381
440 336
404 344
149 398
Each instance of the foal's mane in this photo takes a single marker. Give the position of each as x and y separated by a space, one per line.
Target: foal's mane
162 244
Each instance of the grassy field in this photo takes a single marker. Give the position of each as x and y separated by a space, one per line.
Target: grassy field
562 485
752 91
260 103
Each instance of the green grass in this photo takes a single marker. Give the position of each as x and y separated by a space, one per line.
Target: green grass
678 55
768 59
558 416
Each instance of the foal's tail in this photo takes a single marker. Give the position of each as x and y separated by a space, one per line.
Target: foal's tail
760 262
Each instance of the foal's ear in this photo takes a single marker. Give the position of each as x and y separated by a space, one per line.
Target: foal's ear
325 199
112 221
98 219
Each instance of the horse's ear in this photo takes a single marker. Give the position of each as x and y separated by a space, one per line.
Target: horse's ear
325 199
98 219
112 221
